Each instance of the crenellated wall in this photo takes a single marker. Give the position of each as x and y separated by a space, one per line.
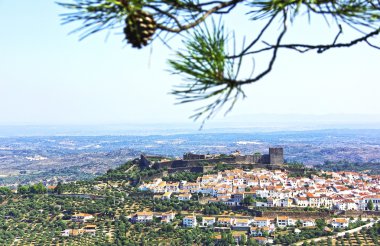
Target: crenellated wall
274 158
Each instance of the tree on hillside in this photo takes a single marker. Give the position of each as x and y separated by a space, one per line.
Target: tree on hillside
211 57
59 188
370 205
320 223
249 200
23 189
243 239
37 189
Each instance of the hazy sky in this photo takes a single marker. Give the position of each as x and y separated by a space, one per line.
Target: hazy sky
49 77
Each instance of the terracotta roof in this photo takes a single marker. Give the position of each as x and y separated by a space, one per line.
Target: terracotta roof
260 219
241 220
144 213
282 217
224 219
208 218
190 217
341 220
82 215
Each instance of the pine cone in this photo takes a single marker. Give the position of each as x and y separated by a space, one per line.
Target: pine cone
140 28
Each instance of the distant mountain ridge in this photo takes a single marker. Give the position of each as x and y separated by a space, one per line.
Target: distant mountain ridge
92 155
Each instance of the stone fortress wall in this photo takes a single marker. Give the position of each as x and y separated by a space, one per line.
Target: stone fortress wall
192 161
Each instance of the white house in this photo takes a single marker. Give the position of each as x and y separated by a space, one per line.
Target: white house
173 187
206 190
253 182
261 204
65 233
209 179
260 231
166 195
189 221
167 217
237 197
81 217
261 221
72 232
346 204
242 222
283 221
90 229
142 217
375 200
191 187
340 223
285 202
160 187
184 197
225 221
302 201
208 221
308 222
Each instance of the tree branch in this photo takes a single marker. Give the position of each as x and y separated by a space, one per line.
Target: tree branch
274 56
322 48
200 19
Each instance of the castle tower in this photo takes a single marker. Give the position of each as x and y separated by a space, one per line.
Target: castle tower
276 156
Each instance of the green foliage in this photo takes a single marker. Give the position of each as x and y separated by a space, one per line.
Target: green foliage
226 239
38 217
307 173
243 240
32 189
295 165
261 199
306 233
210 66
338 166
320 223
215 208
222 167
66 173
298 223
59 188
248 201
37 189
252 242
207 70
103 15
130 173
5 191
370 205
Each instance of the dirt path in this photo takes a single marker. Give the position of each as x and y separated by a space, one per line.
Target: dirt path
339 234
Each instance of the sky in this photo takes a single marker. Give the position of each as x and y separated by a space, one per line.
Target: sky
48 77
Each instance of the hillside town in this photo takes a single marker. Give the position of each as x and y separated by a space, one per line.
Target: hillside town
333 191
267 188
131 205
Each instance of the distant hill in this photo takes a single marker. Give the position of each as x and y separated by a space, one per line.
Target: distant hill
44 158
370 168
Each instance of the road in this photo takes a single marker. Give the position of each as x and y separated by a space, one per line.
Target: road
339 234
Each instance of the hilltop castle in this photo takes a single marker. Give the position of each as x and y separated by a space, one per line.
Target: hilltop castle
275 157
190 160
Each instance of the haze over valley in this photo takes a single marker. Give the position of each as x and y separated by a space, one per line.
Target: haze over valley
53 158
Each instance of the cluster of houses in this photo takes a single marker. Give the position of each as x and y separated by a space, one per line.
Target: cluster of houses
332 190
260 225
143 217
88 229
256 226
